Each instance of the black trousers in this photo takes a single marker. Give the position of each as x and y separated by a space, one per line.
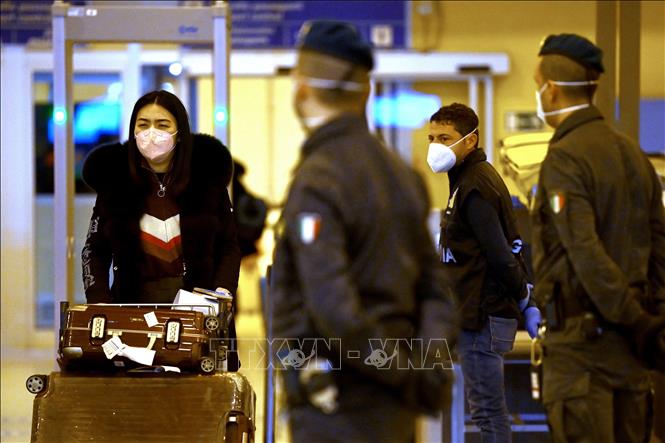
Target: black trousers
594 390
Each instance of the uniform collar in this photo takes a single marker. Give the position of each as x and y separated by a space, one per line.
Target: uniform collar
476 156
577 118
342 124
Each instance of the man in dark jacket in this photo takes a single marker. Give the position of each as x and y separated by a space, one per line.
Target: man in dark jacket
481 253
599 257
355 264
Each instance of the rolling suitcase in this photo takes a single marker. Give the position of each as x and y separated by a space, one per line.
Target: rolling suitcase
123 408
179 338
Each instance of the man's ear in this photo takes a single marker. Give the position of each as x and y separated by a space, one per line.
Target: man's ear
303 91
554 92
472 140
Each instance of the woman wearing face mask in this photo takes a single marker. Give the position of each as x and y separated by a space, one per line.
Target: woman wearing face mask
162 218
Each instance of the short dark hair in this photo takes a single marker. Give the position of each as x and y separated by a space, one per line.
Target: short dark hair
183 150
461 117
560 68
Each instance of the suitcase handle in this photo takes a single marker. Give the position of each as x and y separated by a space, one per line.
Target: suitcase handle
211 310
152 335
153 338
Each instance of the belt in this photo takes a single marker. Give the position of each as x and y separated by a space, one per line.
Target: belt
579 303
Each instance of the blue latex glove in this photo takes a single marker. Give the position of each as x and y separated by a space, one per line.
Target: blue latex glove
522 304
532 319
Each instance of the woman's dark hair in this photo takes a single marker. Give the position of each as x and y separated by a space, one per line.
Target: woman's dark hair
179 172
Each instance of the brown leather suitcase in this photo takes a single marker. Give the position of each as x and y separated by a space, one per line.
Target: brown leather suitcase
179 338
122 408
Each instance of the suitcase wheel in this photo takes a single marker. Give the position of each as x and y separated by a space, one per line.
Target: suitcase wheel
232 434
211 323
36 383
238 429
207 364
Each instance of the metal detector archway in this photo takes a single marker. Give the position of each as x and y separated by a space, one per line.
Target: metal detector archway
119 22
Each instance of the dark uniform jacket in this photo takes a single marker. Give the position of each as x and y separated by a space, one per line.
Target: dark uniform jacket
482 287
208 234
598 224
355 259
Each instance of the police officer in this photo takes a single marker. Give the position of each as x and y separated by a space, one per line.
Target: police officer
355 264
599 257
481 252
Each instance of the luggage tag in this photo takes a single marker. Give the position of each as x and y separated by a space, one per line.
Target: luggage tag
151 319
115 347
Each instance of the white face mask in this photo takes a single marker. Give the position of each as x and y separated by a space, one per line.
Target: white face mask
441 158
542 114
313 122
155 144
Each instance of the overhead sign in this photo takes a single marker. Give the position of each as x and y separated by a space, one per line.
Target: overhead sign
275 24
254 24
23 21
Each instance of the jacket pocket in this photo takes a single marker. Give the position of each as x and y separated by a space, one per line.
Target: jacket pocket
502 333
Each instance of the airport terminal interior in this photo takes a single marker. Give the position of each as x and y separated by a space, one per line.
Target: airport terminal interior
429 54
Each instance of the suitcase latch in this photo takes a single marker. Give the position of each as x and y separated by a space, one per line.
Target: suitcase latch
97 327
172 332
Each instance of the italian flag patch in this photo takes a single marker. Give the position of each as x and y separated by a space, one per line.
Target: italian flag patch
309 226
557 201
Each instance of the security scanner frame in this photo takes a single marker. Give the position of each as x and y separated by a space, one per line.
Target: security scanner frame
395 70
97 23
205 25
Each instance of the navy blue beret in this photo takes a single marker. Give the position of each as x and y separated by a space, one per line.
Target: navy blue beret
576 48
338 39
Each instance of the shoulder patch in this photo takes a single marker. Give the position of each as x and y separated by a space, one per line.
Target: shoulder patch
309 226
557 201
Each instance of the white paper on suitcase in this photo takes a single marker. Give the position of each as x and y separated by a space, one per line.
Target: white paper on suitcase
189 301
115 346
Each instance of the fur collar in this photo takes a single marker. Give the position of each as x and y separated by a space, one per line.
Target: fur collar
107 168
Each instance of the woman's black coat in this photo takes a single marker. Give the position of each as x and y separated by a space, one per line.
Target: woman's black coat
208 232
